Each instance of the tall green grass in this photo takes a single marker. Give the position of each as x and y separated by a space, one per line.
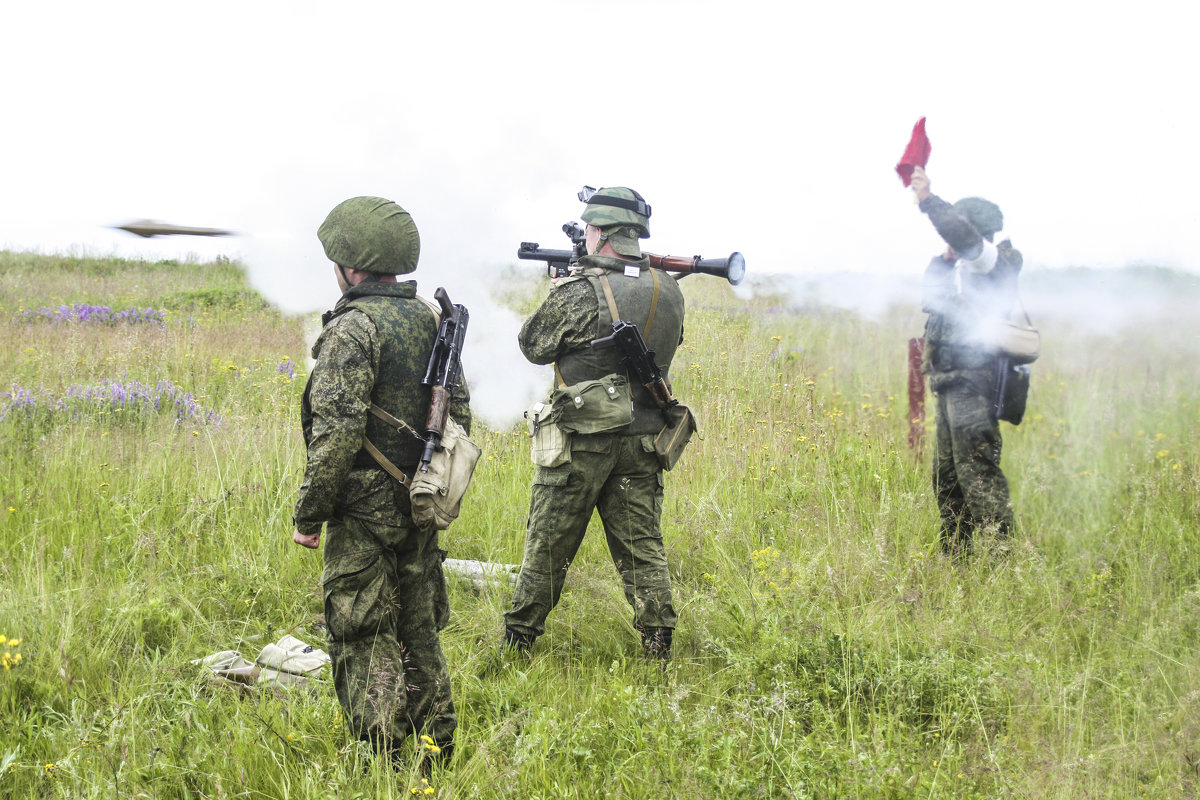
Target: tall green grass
825 648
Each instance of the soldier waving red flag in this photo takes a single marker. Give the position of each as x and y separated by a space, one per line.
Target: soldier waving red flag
916 154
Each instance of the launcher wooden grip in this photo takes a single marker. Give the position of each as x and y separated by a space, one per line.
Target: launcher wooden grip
673 263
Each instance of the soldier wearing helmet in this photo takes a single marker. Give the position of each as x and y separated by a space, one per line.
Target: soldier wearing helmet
613 470
973 283
385 599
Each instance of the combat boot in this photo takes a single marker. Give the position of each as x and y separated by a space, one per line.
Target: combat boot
657 642
516 641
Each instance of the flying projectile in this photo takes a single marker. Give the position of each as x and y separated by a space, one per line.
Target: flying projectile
147 228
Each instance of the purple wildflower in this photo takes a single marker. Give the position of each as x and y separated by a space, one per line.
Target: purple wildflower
102 315
131 398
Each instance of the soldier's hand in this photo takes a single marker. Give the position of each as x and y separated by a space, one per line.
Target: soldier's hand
311 540
920 183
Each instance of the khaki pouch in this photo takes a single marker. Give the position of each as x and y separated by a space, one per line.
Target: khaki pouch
603 405
289 662
1022 344
551 445
1014 338
437 493
669 443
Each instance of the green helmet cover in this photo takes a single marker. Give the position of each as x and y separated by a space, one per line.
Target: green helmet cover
371 234
984 215
618 206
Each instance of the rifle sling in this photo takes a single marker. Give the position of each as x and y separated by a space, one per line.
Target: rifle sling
375 453
385 463
612 301
395 422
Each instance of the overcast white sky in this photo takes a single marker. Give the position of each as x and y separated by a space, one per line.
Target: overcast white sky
766 127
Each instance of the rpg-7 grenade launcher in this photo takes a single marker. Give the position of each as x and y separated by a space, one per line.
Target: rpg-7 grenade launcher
559 262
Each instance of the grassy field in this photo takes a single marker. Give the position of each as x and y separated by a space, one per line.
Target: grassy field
149 459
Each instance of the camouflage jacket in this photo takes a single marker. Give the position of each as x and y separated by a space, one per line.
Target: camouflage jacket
352 353
960 302
575 313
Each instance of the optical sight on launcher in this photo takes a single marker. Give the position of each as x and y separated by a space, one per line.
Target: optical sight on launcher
559 262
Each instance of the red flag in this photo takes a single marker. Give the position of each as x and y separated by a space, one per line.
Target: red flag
916 154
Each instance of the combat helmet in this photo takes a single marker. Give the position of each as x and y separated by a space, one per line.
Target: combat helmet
616 206
371 234
984 215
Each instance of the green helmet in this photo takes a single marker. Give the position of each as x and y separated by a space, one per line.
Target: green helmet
616 206
371 234
984 215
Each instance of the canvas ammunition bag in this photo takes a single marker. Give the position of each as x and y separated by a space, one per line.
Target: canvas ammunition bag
287 662
551 445
290 661
602 405
675 435
230 668
1022 344
1015 339
436 494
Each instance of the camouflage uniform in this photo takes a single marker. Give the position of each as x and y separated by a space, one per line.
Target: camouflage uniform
616 473
385 598
972 492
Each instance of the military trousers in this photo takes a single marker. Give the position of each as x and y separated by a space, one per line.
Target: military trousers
620 477
385 601
971 490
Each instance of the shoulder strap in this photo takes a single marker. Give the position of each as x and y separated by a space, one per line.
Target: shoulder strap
395 422
375 453
608 295
612 301
435 308
1024 313
653 302
386 463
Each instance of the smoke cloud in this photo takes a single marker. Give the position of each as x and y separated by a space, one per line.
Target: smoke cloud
486 121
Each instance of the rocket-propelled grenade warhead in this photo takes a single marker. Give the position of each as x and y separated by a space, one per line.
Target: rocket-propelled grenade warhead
149 228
